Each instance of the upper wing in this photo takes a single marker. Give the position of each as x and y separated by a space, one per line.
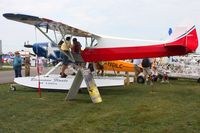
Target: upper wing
49 24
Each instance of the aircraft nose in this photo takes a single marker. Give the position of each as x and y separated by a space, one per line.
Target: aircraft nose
40 49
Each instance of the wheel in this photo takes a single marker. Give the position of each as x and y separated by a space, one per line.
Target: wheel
12 88
154 78
140 79
160 76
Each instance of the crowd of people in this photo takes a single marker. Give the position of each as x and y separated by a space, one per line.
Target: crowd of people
18 61
148 67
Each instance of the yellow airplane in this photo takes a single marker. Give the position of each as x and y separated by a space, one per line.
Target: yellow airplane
121 66
118 66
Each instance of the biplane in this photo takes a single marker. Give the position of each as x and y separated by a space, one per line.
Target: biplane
104 48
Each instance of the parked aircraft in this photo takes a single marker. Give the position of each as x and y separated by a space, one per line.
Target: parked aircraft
104 48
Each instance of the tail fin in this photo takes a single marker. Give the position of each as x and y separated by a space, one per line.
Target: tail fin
187 40
178 31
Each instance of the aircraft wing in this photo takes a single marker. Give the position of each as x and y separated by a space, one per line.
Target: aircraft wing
48 24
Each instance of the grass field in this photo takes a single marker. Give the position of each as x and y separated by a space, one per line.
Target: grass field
161 108
6 69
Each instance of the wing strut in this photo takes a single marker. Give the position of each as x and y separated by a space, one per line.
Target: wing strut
45 34
92 41
54 31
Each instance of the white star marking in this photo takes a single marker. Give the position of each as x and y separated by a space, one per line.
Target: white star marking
51 50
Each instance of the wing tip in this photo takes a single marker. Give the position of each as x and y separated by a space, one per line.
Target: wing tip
8 15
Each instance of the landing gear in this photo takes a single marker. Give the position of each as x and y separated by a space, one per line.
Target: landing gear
12 87
140 79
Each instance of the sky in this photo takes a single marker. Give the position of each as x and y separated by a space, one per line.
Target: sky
140 19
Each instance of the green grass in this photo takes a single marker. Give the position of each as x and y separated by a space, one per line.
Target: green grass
161 108
6 69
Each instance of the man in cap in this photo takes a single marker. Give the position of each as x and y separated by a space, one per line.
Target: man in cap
17 64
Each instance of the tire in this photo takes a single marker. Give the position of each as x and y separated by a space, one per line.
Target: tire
140 79
160 76
13 88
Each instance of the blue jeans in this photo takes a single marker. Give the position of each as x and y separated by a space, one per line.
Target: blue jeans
18 71
65 59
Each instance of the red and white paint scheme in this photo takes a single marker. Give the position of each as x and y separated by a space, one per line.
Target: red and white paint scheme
104 48
116 48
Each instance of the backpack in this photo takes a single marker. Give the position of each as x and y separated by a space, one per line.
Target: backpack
146 62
